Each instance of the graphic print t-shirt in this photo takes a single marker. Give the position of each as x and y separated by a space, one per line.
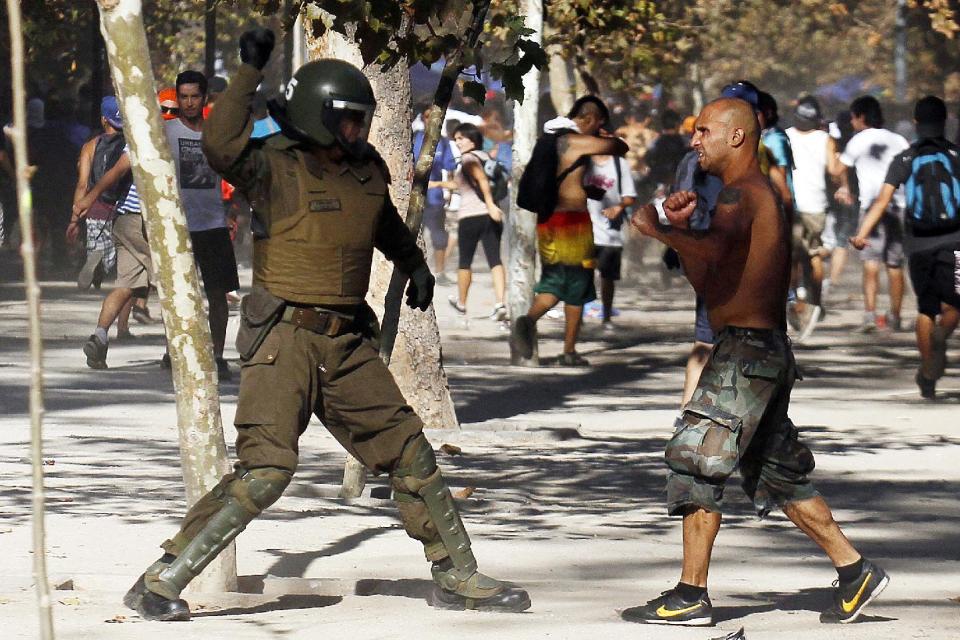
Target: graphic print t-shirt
870 153
604 175
199 184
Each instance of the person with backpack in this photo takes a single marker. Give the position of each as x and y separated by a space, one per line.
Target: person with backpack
97 157
552 186
870 151
930 172
479 219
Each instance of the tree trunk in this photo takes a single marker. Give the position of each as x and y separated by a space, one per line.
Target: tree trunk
522 224
696 84
561 89
24 204
203 452
416 363
210 38
393 306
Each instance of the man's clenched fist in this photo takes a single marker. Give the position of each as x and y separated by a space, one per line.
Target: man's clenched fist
678 208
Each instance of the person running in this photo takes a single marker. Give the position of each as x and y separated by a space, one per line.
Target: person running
639 135
777 144
844 212
611 193
134 268
870 152
479 219
814 154
97 156
930 168
738 417
565 238
434 207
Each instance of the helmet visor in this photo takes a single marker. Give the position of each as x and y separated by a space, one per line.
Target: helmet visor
349 122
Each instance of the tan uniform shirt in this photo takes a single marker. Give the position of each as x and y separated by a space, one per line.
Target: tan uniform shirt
316 222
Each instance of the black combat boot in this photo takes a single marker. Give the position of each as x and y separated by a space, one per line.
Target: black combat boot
153 606
478 592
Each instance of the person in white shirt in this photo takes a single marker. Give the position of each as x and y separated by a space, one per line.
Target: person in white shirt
870 152
610 194
207 219
814 152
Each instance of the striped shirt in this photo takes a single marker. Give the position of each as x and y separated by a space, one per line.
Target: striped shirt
131 202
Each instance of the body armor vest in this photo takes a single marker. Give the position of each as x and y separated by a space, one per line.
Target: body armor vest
320 235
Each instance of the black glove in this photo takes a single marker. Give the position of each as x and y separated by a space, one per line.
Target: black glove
255 47
420 289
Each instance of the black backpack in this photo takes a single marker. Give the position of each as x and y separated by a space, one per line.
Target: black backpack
539 183
106 153
497 176
933 189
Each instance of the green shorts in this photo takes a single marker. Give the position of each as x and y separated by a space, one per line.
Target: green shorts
737 418
573 285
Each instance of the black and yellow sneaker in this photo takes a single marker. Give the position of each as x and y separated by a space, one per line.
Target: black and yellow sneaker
850 598
671 608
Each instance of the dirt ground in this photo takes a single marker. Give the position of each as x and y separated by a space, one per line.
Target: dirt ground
568 488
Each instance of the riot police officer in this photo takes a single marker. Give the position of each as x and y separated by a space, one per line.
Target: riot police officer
320 203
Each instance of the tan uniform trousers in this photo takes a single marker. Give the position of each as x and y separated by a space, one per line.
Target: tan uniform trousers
294 373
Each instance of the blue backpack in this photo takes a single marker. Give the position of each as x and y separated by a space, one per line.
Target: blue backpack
933 189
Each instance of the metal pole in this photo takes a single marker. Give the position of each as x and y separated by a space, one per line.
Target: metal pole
18 135
900 52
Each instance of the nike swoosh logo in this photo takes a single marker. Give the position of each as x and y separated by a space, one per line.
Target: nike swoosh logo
663 612
851 605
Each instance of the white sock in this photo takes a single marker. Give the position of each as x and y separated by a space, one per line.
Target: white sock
101 335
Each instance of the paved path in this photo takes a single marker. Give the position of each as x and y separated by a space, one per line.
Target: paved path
566 468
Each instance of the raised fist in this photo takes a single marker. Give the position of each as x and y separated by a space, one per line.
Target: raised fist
256 46
678 208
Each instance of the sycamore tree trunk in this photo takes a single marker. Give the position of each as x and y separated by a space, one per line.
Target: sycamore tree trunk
18 136
416 363
203 452
414 218
561 88
522 224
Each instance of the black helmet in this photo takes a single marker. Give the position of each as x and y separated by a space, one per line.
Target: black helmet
322 95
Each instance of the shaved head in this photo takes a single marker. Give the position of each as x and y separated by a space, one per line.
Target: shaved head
736 113
727 131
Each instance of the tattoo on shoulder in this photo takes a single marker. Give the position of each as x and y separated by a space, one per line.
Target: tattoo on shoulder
562 145
729 195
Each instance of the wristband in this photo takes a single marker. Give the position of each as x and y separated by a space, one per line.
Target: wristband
658 205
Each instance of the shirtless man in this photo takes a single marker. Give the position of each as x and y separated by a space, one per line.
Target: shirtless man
565 239
738 415
639 136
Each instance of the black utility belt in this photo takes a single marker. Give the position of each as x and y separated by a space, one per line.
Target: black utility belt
319 321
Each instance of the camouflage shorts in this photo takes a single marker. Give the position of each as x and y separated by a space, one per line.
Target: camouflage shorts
737 418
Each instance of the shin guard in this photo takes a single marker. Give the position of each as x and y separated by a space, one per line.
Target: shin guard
247 497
